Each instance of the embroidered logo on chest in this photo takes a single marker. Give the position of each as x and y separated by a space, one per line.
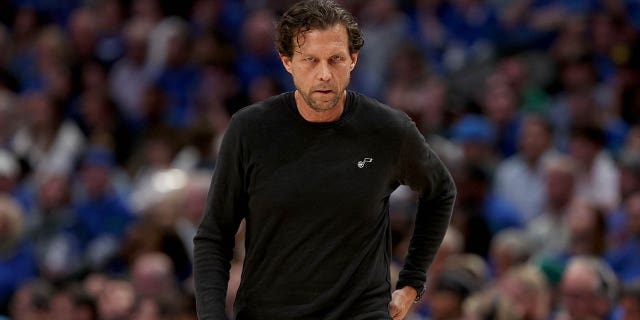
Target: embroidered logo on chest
364 162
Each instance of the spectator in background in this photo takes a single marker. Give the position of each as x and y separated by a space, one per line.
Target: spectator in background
521 178
408 78
17 259
630 301
24 32
129 75
450 290
626 84
258 56
103 124
49 51
154 157
525 72
500 103
587 229
9 172
476 135
429 32
625 258
526 289
12 185
57 250
116 300
479 213
575 102
178 77
194 201
110 22
47 141
509 249
152 275
83 31
32 301
589 288
160 308
154 233
72 302
607 29
7 117
452 245
629 166
225 17
385 28
598 177
150 11
103 215
549 230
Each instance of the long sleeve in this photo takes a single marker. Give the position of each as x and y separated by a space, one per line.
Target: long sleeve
422 170
215 239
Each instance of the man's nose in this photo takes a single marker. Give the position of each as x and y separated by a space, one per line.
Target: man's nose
324 72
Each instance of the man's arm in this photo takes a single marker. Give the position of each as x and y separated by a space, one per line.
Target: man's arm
215 239
422 170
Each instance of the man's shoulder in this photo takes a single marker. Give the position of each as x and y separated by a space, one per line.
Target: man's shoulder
378 111
263 108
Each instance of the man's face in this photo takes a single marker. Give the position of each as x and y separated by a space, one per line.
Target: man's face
320 66
579 293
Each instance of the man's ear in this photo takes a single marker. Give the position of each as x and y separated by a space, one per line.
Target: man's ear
286 62
354 59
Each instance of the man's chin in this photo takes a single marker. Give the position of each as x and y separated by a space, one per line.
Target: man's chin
323 106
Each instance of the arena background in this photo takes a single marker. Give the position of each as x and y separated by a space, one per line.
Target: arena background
111 113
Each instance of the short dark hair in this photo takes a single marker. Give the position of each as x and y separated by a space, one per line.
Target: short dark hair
315 14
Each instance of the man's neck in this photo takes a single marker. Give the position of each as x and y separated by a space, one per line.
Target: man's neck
313 115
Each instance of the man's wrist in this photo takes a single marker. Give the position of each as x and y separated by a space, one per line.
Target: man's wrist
417 290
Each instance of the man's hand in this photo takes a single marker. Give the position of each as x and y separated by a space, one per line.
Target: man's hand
401 301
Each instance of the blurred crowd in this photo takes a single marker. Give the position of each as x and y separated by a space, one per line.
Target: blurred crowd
111 114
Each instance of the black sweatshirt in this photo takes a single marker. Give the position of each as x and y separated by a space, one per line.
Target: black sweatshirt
316 201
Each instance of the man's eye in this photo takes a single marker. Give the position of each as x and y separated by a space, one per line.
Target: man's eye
336 58
309 59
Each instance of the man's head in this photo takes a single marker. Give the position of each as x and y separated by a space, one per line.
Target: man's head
318 43
308 15
588 288
534 138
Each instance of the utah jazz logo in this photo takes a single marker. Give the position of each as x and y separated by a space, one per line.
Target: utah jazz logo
364 161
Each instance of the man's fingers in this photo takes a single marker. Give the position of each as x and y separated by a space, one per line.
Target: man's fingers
399 304
395 311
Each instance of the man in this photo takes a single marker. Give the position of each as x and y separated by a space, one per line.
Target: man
311 171
520 178
588 289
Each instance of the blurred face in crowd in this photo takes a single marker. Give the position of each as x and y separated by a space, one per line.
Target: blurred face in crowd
583 151
116 300
583 227
560 186
320 66
581 296
526 289
39 111
61 306
630 305
53 192
500 101
96 179
445 305
633 214
534 139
